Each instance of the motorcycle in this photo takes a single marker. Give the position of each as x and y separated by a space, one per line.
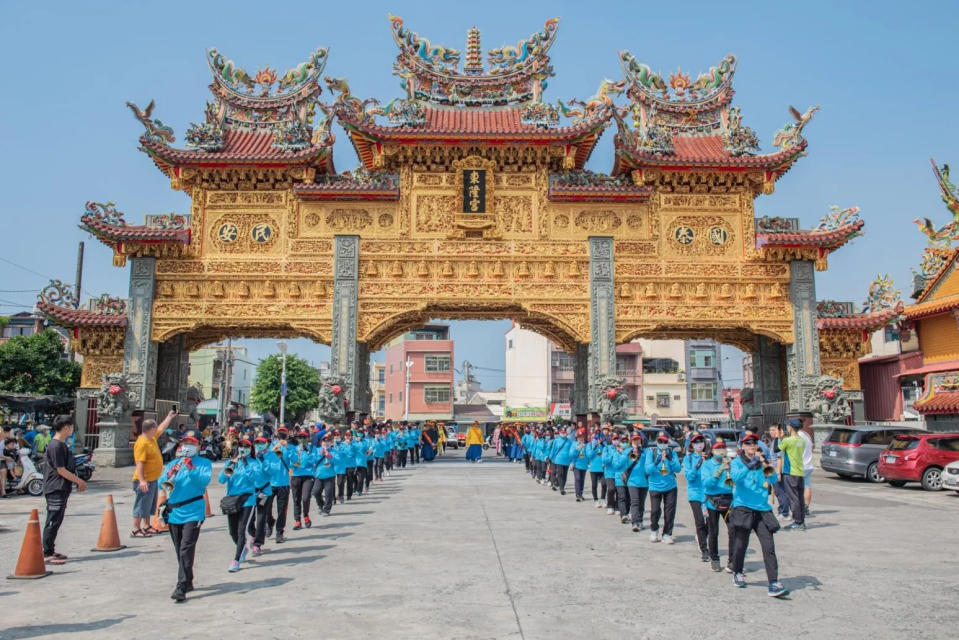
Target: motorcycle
83 463
211 448
25 477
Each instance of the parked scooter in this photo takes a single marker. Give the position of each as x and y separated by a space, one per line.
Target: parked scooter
211 448
25 478
84 465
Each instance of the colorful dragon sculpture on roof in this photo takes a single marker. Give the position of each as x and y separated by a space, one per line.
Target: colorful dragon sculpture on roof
943 237
791 133
156 131
436 56
882 295
508 58
600 103
838 218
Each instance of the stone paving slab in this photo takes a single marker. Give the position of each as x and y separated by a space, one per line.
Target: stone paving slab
456 550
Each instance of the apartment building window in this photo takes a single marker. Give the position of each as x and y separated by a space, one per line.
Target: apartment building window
662 400
381 376
563 361
702 358
437 362
625 365
435 394
562 392
401 396
391 398
509 343
391 369
382 404
702 391
660 365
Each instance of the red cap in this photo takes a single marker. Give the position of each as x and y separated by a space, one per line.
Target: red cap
697 436
327 436
189 440
637 436
336 432
282 430
245 443
261 439
719 444
749 438
662 437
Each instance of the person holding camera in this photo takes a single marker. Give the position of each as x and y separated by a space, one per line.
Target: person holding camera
149 466
185 479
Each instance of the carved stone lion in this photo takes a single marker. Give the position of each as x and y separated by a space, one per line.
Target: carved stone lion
828 401
332 404
116 398
612 399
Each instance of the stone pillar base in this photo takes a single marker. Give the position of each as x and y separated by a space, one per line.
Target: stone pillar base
114 449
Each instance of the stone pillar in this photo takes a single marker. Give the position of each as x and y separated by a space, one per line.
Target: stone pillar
767 372
173 368
580 403
802 357
139 352
602 316
114 449
349 359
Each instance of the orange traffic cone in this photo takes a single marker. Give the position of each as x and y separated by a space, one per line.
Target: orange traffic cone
157 522
109 539
206 499
30 563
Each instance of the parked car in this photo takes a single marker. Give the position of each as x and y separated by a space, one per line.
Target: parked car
950 476
452 438
919 457
730 437
650 433
854 451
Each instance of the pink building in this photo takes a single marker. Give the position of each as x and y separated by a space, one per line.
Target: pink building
629 361
430 377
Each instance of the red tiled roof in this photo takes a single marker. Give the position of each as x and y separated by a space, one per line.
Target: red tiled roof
66 317
133 233
709 151
935 367
932 307
861 321
942 402
599 193
345 191
810 238
943 270
240 147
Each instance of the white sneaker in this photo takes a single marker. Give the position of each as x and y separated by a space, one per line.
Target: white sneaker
668 539
654 536
616 513
609 512
598 505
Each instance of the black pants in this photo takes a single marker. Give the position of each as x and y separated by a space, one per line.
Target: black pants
323 490
713 516
702 530
340 486
402 459
301 486
622 500
740 543
56 509
415 453
238 522
261 516
350 482
184 538
562 471
795 488
378 466
360 479
526 459
579 481
540 469
637 504
282 495
369 473
611 497
662 502
388 460
595 482
781 498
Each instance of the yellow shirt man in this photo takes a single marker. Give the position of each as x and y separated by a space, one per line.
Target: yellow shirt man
147 451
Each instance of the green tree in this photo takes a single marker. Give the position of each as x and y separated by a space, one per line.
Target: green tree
35 364
302 387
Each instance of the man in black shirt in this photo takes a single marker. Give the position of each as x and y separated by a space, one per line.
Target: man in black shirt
58 481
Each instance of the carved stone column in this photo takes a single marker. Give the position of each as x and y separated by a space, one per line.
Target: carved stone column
173 368
802 357
349 358
114 449
602 315
139 352
580 403
767 372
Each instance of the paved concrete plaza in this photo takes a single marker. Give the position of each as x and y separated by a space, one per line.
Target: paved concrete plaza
455 550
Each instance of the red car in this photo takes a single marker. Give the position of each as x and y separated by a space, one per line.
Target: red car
919 458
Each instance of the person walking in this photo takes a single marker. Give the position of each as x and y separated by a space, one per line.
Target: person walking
324 474
149 465
776 459
560 457
341 455
579 453
637 482
185 511
474 443
619 461
277 466
806 434
58 481
751 512
594 454
718 490
793 448
242 476
692 470
662 465
301 461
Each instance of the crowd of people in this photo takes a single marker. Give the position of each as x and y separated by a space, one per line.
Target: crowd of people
735 487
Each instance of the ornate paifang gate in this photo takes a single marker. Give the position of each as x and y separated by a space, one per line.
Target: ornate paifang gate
471 201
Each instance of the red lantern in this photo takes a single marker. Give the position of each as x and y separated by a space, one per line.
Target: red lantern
611 394
115 389
830 394
337 389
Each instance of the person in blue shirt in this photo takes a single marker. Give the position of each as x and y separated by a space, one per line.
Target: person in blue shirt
751 511
242 476
402 445
579 455
341 455
380 447
185 509
637 483
299 459
662 465
526 442
324 474
349 444
609 475
618 461
696 456
594 455
413 443
263 507
362 449
546 443
560 457
316 436
718 491
278 470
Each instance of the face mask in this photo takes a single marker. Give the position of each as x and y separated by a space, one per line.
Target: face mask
697 446
186 451
662 446
339 440
169 431
261 447
244 452
719 455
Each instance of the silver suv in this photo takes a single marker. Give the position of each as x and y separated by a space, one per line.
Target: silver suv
854 451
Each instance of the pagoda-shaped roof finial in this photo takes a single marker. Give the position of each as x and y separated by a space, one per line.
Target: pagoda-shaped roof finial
473 65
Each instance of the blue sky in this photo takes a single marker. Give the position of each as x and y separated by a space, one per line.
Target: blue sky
884 73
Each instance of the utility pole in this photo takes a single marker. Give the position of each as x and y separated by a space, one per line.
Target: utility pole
228 377
222 389
282 347
409 366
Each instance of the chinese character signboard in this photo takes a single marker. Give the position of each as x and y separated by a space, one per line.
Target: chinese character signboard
474 191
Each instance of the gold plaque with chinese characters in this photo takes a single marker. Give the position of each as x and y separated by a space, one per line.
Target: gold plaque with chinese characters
475 182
